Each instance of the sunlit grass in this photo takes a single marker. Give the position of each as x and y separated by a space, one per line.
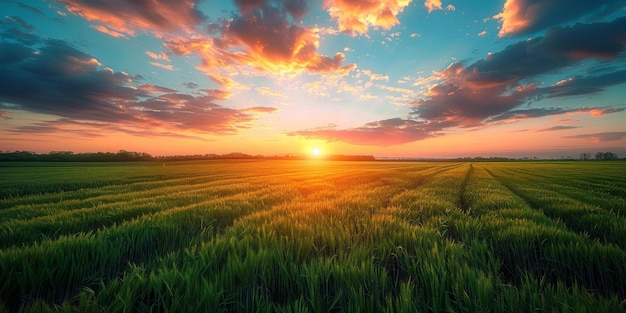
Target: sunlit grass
314 236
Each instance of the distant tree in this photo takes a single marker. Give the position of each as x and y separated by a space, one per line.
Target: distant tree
610 156
606 156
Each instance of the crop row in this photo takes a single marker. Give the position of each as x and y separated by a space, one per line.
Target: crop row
313 236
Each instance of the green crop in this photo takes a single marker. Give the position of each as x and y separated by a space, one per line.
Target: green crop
313 236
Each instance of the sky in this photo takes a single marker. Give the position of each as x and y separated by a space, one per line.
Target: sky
389 78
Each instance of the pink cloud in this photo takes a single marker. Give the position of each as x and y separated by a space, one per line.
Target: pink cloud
600 137
380 133
158 56
168 67
355 17
124 18
109 32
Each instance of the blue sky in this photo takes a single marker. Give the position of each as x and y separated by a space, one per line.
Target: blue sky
381 77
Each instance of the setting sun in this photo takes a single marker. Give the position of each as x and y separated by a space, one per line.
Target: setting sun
316 151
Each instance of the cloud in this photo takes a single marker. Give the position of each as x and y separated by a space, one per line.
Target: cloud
266 91
191 85
380 133
261 41
482 34
296 8
556 128
168 67
110 32
541 112
600 137
489 90
466 98
523 17
63 81
432 5
127 17
5 115
355 17
14 28
492 86
158 56
261 110
582 85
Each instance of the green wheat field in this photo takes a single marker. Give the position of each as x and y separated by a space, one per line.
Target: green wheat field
313 236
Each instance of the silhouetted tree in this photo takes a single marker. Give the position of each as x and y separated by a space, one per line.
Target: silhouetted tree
606 156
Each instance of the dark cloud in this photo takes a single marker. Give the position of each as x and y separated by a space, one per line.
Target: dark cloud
600 137
490 87
461 100
63 126
581 85
559 48
13 52
30 8
60 80
15 29
296 8
190 85
524 17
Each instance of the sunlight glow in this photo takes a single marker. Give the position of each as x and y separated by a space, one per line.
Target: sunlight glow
316 151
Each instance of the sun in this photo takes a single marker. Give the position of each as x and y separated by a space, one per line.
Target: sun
316 151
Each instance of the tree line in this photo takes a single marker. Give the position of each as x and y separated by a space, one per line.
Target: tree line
129 156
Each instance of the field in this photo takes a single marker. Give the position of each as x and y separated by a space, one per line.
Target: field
313 236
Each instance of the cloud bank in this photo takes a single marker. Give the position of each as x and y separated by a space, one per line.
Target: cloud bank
58 79
487 91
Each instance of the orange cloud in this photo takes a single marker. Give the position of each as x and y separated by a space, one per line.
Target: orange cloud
355 17
109 32
259 42
432 5
123 18
523 17
513 18
161 56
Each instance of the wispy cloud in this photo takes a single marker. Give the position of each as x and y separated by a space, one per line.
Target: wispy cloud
600 137
556 128
120 17
523 114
